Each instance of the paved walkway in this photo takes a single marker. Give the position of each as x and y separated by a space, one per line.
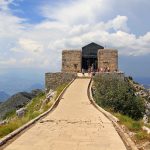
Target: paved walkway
74 125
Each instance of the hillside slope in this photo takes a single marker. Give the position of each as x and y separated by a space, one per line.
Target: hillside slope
3 96
17 101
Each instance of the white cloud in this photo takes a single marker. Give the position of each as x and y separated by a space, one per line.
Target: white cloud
27 61
120 23
6 62
75 25
31 46
10 26
77 12
4 4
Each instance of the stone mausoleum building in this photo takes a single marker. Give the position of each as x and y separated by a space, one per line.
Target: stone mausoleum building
92 56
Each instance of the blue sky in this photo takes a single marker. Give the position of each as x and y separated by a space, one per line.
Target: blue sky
34 32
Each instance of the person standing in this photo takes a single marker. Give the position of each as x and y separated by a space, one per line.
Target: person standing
83 71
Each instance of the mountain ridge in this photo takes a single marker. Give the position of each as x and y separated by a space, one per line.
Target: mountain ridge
3 96
17 101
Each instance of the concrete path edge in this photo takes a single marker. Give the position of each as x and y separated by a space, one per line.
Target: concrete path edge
130 145
8 137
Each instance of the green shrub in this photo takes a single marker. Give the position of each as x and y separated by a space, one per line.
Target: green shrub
130 78
119 96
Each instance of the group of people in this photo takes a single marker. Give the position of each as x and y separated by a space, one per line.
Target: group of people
92 71
105 69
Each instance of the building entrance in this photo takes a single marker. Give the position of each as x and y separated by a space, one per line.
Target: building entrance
89 56
89 64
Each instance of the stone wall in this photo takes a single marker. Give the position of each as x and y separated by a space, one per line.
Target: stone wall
108 58
53 80
71 60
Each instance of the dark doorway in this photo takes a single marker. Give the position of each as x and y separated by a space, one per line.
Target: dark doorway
89 56
89 63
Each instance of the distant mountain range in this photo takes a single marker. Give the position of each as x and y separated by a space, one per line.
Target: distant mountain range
35 86
147 86
145 81
17 80
3 96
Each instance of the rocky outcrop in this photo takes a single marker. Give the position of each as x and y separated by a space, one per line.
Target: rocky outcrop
49 97
141 91
50 94
20 112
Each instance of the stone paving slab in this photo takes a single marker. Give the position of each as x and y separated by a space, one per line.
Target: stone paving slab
74 125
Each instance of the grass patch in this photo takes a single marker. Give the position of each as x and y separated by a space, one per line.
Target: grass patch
60 88
11 126
131 124
47 106
134 126
142 135
35 104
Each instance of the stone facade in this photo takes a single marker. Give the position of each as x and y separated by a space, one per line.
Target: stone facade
53 80
71 60
74 61
91 57
108 58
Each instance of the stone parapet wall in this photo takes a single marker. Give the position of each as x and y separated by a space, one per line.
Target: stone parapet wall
108 58
53 80
71 60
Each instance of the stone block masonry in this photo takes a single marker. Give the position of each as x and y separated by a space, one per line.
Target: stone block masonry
53 80
71 60
108 58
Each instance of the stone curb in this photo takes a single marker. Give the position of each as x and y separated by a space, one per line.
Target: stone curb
130 145
27 125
